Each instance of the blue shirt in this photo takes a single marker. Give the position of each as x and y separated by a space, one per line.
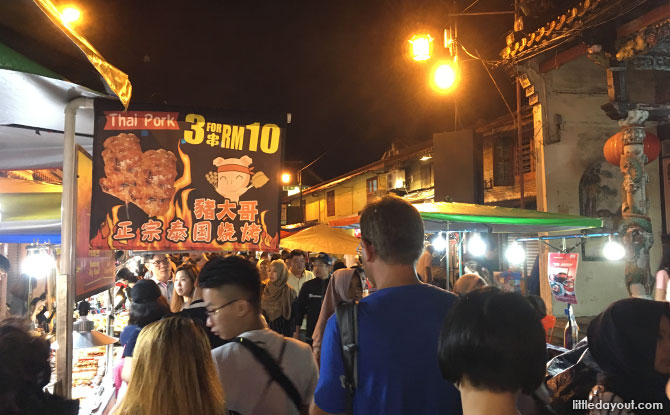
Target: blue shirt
128 339
398 370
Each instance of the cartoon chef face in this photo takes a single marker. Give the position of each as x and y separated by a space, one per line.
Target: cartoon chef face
233 176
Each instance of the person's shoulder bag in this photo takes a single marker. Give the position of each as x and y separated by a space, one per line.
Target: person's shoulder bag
273 369
347 321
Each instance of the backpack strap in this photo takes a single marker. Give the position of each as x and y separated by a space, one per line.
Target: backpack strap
273 369
347 321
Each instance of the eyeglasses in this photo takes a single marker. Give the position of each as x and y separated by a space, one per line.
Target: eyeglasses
216 310
160 262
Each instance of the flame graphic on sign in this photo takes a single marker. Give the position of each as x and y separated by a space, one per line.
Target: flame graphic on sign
178 209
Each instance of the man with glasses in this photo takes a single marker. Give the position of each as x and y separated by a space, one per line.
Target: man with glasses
277 379
398 327
161 273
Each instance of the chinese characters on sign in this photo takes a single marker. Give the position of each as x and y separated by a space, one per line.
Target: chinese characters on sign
185 180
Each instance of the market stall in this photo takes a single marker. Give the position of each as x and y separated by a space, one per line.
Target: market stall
322 238
458 227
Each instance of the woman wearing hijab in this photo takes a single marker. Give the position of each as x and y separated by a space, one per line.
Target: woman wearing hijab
277 300
342 287
630 341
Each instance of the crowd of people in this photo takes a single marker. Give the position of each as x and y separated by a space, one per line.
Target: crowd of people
229 335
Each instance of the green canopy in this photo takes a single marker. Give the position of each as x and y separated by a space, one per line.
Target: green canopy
442 216
14 61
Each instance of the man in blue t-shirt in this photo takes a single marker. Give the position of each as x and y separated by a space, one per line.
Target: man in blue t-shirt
399 325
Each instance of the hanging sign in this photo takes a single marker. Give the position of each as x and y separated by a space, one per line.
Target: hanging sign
175 179
562 272
94 269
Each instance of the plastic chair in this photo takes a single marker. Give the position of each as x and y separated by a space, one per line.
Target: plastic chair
549 322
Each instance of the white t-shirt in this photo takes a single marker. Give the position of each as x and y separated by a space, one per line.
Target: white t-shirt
247 385
424 261
296 283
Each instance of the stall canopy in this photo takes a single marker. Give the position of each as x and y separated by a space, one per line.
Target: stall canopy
443 216
30 211
323 238
31 137
31 114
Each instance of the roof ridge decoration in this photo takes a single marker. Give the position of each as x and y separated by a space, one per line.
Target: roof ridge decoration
647 48
563 27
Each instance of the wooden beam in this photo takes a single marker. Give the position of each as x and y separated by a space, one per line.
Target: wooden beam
563 57
651 17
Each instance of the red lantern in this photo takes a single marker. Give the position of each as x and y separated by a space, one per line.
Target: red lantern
613 148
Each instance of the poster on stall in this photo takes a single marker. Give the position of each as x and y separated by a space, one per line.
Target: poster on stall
562 272
178 179
94 269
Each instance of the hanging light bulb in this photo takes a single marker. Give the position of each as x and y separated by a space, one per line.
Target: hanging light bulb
476 245
613 250
515 254
439 242
38 263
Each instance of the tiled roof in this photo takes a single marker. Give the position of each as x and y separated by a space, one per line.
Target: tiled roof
587 14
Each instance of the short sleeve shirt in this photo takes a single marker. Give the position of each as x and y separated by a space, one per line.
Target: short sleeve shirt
398 371
249 389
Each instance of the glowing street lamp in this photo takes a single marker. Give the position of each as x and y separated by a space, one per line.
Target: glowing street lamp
421 47
444 76
286 178
70 15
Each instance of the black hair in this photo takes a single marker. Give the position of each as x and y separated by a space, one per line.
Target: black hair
538 304
495 340
24 366
338 265
125 274
295 253
233 270
394 244
275 257
4 263
142 314
84 307
664 265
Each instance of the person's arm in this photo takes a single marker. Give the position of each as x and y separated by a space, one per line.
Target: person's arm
661 285
330 397
127 370
429 274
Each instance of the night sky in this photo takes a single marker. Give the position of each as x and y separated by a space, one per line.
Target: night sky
340 67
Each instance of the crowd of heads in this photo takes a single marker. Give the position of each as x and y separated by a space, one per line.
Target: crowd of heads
490 340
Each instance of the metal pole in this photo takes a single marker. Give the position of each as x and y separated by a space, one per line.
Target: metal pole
110 330
519 135
302 208
3 288
65 282
461 235
448 258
